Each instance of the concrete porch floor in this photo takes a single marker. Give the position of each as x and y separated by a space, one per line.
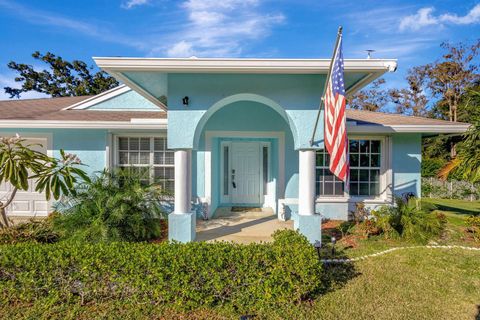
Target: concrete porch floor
240 227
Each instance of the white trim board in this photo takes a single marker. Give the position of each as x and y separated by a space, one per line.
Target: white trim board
149 123
292 66
104 96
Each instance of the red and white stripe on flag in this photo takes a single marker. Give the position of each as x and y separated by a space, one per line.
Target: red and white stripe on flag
335 128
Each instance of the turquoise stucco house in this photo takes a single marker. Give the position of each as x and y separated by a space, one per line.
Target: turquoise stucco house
229 132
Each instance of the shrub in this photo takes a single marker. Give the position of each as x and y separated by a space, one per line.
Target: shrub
409 220
39 231
112 207
473 226
183 276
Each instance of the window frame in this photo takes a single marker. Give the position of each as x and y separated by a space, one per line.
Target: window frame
384 179
116 153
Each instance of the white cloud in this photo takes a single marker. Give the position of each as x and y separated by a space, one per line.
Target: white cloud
180 49
133 3
219 28
425 17
473 16
421 19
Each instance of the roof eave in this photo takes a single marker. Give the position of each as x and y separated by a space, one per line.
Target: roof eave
69 124
424 129
293 66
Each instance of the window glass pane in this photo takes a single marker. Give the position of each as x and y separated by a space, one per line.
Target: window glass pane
327 175
354 175
319 158
265 169
158 158
133 158
363 176
134 143
364 146
375 160
354 160
158 173
169 157
375 146
225 170
145 144
123 158
354 145
364 160
169 173
339 188
144 157
374 175
159 144
327 159
353 189
328 188
123 143
363 189
374 189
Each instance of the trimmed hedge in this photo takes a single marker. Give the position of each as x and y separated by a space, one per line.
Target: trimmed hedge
182 276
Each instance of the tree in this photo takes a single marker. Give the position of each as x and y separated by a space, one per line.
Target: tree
372 99
412 100
450 78
19 164
64 78
467 162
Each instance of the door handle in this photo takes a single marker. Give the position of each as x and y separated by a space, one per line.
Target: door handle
234 185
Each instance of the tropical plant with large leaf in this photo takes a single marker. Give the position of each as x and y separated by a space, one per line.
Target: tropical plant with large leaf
467 161
21 163
115 206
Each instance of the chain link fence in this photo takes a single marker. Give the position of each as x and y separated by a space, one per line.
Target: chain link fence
453 189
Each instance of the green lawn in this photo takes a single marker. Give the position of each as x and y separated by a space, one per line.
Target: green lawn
417 283
455 206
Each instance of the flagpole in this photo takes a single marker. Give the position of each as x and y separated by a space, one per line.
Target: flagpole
339 36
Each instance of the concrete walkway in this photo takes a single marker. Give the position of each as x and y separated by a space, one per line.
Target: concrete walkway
240 227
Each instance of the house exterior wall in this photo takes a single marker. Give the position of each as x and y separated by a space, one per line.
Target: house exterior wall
297 96
129 100
406 164
90 145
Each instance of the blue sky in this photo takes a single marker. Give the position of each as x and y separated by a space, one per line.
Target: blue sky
410 31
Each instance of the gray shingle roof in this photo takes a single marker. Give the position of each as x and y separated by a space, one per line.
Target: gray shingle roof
51 109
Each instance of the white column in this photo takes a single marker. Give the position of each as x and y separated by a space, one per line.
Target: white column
306 182
183 182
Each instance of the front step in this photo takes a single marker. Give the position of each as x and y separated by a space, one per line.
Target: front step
226 212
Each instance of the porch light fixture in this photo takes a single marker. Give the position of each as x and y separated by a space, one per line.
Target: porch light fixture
185 101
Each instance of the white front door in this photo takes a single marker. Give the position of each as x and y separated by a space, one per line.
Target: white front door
245 173
27 202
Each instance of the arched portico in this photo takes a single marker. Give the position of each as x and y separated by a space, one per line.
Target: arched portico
241 151
237 98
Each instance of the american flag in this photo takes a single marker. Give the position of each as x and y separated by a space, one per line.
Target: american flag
336 141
